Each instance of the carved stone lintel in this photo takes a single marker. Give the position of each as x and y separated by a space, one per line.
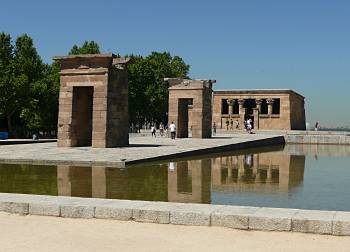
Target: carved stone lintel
270 101
258 101
230 102
241 101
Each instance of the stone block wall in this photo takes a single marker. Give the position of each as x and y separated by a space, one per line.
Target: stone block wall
291 116
297 111
105 76
199 92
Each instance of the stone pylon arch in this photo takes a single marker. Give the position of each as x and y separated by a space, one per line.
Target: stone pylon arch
93 102
192 97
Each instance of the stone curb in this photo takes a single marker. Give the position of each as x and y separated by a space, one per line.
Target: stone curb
236 217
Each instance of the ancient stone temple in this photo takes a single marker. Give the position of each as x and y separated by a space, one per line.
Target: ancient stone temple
190 107
268 109
93 102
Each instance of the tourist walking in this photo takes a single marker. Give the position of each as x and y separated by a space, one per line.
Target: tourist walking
161 129
172 130
153 130
214 129
227 123
316 126
249 126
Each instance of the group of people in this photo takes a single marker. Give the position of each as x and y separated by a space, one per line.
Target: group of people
248 125
164 130
232 124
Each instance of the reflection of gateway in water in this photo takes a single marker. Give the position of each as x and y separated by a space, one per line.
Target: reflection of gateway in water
190 182
185 181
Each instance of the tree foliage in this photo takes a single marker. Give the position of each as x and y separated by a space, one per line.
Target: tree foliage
148 92
29 88
28 97
89 47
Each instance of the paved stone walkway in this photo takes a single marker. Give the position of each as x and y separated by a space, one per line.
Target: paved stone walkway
140 148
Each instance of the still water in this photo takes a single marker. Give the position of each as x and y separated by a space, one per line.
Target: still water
294 176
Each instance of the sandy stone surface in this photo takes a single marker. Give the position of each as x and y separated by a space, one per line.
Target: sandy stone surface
38 233
140 148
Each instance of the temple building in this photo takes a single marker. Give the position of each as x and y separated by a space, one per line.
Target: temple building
281 109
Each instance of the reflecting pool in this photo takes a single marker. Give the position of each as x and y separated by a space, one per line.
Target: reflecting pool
294 176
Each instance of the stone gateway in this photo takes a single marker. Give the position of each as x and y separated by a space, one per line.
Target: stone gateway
190 107
93 102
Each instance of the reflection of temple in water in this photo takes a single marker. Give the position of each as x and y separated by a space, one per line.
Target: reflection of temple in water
189 181
259 173
185 181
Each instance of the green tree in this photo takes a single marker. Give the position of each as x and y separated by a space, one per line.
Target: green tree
148 92
29 72
6 89
22 75
42 111
89 47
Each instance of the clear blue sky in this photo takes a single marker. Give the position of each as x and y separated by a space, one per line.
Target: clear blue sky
301 44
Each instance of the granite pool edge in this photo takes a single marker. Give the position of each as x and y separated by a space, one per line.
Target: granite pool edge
191 214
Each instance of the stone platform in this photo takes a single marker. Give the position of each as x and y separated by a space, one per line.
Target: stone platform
141 149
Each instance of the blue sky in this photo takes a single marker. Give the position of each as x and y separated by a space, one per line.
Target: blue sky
299 45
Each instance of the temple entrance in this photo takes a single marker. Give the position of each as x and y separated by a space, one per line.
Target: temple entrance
249 105
183 118
82 115
251 117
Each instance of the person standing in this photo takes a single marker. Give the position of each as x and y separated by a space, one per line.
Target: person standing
316 126
214 129
249 126
161 129
153 130
227 123
231 124
172 127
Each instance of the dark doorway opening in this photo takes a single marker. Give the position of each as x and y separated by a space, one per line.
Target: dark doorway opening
82 115
249 104
276 106
182 131
264 107
224 107
235 108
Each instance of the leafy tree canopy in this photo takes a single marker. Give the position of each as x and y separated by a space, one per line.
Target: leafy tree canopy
89 47
29 88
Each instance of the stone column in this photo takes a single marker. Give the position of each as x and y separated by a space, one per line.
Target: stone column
241 112
241 109
230 103
258 104
269 105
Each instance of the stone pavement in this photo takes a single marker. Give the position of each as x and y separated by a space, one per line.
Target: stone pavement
141 149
